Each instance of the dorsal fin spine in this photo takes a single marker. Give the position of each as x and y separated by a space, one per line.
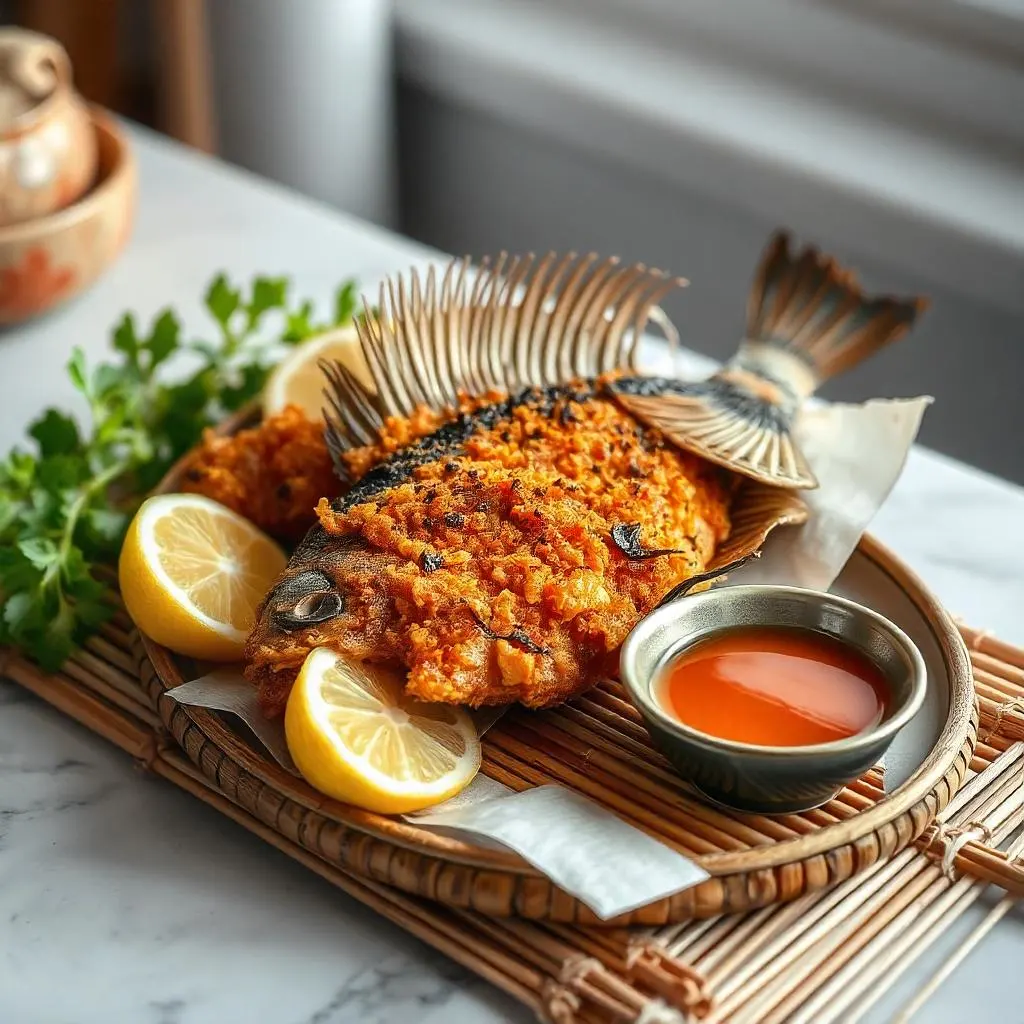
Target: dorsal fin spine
515 323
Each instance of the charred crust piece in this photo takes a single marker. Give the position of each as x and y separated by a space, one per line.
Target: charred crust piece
430 561
519 637
680 590
627 539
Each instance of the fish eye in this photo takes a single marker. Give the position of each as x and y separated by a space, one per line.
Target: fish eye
307 600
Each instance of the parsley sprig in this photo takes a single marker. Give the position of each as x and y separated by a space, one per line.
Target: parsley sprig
65 506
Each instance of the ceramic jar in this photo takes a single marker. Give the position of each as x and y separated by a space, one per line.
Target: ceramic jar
48 148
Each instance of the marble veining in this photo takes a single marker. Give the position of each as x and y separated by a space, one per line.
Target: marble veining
125 900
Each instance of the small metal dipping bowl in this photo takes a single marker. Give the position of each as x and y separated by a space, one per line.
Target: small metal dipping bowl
747 776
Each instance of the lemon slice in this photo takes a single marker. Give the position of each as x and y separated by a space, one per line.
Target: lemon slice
298 379
355 736
193 572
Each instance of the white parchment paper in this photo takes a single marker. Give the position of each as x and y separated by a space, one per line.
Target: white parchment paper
857 452
610 865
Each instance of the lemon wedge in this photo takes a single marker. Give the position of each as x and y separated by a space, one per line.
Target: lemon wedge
193 572
355 736
298 379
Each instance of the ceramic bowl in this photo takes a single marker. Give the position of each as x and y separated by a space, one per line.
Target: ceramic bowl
48 149
45 262
763 779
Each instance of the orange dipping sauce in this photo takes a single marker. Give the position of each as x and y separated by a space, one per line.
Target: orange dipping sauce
776 687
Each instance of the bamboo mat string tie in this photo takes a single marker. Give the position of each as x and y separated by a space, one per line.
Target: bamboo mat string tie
560 1005
647 958
1007 706
576 968
953 838
641 945
154 748
157 746
658 1012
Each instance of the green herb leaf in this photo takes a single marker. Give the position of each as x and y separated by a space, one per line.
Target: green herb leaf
19 470
58 639
18 573
299 325
90 598
222 300
65 510
107 524
21 611
163 339
345 302
40 551
126 340
60 472
56 433
77 371
106 380
267 293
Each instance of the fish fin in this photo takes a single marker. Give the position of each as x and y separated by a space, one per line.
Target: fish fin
807 320
805 304
721 423
756 510
516 323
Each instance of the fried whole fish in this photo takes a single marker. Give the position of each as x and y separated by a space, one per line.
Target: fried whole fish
505 554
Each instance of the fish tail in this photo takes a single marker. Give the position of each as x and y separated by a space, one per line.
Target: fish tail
807 320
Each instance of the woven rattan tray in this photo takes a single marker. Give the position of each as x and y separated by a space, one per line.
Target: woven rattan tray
596 745
825 957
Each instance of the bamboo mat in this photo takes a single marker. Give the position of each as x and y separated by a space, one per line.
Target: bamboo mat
825 957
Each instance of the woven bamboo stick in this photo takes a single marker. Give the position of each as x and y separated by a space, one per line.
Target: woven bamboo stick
998 912
118 632
831 1000
764 998
123 730
636 781
880 973
601 786
84 671
681 938
722 832
981 641
812 972
832 916
111 654
1002 669
503 971
810 930
581 727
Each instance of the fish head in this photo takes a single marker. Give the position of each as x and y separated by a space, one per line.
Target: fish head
331 594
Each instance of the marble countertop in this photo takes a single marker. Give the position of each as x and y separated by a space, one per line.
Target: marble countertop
122 899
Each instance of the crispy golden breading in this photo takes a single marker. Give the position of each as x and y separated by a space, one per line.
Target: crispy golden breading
494 575
273 474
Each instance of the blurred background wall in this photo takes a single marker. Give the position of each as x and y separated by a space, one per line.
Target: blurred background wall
677 132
